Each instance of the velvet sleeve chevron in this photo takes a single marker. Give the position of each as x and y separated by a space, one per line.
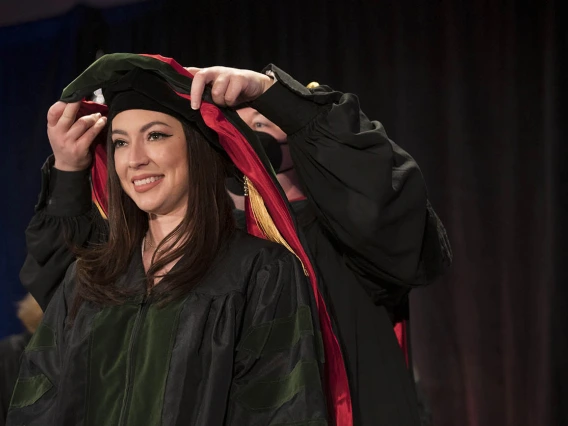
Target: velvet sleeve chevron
279 359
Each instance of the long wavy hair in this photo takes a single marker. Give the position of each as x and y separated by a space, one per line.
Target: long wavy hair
196 241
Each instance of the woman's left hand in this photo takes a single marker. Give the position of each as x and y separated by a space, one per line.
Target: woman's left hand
230 86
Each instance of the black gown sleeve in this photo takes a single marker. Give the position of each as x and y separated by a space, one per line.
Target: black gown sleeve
368 193
65 217
278 361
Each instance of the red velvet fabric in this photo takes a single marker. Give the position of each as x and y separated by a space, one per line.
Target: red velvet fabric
401 331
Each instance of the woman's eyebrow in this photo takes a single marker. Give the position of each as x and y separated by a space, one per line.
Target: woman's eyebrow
142 129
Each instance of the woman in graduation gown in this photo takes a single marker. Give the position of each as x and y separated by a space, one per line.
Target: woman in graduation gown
179 319
365 222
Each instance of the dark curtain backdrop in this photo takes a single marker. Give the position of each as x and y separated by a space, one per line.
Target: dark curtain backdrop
476 91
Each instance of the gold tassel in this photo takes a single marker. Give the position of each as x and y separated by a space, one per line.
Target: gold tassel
264 220
100 208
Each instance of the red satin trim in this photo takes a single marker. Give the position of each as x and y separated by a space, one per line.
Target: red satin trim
171 62
99 178
246 159
298 199
401 331
99 166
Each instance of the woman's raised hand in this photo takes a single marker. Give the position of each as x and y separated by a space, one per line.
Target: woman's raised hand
71 139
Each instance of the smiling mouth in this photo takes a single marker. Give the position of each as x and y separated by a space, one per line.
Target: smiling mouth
146 181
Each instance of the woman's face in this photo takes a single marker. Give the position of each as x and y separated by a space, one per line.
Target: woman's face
150 156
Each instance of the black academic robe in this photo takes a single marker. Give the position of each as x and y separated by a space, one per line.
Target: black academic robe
371 230
242 348
367 222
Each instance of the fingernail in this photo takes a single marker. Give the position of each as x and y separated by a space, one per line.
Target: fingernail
194 105
98 115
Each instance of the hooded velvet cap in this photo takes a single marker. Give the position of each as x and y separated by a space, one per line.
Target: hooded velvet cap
143 89
130 79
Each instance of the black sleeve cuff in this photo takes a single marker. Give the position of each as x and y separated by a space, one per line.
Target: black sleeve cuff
68 193
287 103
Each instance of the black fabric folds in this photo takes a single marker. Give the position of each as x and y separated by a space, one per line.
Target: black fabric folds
212 377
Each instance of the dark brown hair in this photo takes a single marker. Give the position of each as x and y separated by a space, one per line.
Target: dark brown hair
198 239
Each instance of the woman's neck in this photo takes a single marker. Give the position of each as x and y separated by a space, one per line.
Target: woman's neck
159 227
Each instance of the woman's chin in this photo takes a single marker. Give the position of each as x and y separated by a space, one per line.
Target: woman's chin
155 209
161 206
150 208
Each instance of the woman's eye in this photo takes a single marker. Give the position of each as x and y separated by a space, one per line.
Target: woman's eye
258 125
155 136
119 143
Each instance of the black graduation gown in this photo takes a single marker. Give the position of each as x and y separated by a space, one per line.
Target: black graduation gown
242 348
367 222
